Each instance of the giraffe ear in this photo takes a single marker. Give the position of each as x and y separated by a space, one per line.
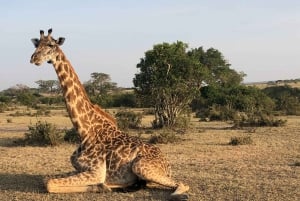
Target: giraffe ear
35 42
60 41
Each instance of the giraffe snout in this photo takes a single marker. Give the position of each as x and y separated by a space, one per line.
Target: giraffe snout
34 60
31 59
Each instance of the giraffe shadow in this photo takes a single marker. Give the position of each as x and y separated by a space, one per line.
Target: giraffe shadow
13 142
27 183
159 194
142 192
22 183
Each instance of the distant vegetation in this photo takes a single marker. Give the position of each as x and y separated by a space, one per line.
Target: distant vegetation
286 98
174 81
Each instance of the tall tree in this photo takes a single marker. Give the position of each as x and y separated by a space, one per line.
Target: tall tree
100 83
171 76
169 79
47 86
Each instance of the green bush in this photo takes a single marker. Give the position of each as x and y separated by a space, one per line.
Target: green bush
244 140
222 103
27 98
72 136
287 99
43 133
124 100
216 113
4 99
128 119
52 100
3 107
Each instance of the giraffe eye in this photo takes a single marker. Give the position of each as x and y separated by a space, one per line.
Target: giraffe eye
50 45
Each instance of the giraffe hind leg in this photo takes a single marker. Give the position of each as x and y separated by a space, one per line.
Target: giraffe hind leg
152 171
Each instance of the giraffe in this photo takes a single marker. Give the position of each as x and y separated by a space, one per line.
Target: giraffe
106 158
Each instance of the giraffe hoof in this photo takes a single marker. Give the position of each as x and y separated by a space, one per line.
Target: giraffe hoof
179 197
99 188
103 188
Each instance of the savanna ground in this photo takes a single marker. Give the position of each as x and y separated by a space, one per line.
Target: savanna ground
267 169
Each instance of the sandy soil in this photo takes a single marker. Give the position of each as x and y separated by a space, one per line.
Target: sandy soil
214 170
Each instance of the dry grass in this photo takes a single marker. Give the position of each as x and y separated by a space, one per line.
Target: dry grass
264 170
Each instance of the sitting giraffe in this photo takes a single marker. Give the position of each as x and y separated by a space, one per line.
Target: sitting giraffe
106 158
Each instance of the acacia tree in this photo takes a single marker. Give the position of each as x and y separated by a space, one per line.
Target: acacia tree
169 79
98 88
47 85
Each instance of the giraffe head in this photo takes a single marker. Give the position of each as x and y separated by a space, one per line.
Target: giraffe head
47 48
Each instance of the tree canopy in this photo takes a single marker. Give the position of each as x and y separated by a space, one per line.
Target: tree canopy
100 83
170 77
48 86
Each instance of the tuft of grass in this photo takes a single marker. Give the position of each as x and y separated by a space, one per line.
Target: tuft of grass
297 164
43 112
165 137
19 114
43 133
244 140
149 132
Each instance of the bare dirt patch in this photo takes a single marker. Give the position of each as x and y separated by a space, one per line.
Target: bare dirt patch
215 170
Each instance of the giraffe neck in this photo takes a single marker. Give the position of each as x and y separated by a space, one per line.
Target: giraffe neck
81 111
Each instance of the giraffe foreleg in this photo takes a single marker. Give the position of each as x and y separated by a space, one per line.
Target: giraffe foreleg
84 181
89 181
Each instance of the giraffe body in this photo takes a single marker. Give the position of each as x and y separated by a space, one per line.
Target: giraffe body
106 157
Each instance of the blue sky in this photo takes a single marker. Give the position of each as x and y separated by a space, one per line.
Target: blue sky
260 38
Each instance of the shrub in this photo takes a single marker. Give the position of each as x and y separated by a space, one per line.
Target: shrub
259 119
216 113
222 103
286 99
52 100
244 140
3 107
4 99
124 100
27 98
128 119
165 137
43 133
72 136
182 123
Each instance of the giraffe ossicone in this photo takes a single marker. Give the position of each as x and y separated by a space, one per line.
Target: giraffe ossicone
106 158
